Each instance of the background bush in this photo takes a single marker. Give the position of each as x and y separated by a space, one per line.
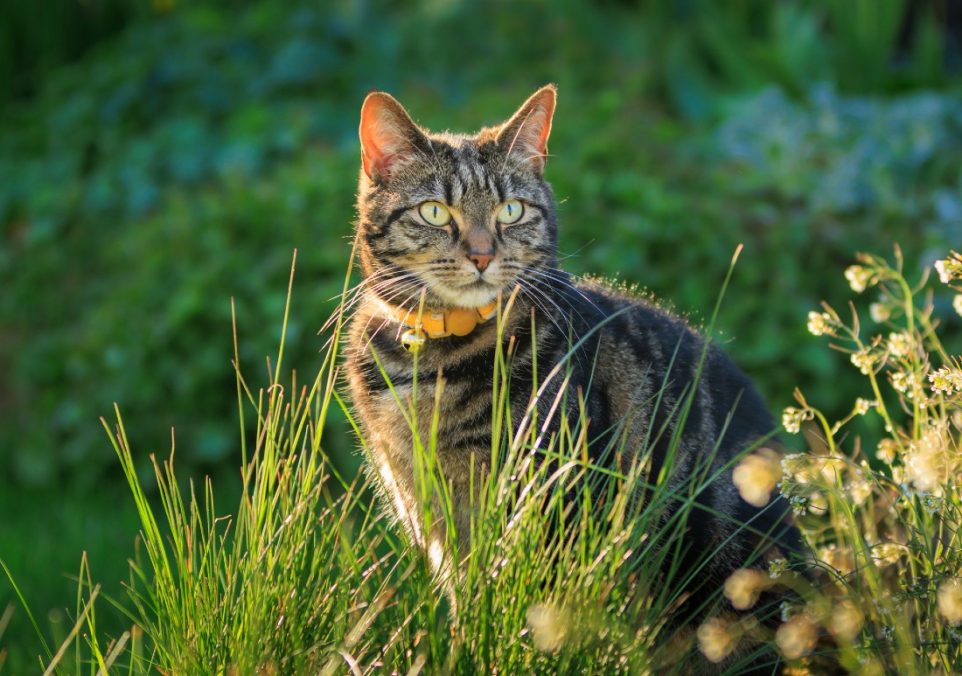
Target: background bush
156 162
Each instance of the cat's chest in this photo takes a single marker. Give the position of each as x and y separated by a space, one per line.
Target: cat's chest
431 413
439 402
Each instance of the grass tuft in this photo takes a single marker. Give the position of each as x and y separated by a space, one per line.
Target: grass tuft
565 571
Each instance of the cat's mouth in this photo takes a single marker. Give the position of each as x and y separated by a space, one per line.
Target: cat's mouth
476 293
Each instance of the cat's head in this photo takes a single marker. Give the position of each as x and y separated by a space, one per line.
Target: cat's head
458 217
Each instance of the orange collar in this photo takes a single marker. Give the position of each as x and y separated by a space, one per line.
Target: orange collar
452 322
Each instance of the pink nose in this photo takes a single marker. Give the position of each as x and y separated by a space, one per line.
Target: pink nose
481 261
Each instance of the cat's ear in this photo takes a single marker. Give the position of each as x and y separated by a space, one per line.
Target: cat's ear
388 135
525 135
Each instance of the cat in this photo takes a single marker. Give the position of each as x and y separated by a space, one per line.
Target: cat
447 225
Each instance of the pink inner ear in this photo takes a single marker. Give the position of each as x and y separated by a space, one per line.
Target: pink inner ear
543 115
534 128
382 141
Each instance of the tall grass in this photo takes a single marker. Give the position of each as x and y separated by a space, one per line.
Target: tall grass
565 571
309 575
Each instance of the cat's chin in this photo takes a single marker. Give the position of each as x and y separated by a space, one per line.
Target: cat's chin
472 295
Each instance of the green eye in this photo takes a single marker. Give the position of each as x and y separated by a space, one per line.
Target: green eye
435 213
510 212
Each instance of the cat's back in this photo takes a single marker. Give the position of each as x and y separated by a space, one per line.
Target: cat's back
660 388
645 357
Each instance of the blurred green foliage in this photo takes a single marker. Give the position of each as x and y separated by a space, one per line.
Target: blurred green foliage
181 162
36 40
172 158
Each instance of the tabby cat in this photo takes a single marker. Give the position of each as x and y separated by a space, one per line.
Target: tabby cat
448 224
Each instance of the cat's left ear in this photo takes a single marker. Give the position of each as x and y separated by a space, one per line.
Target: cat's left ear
525 135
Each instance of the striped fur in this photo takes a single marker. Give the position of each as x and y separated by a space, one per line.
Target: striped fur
626 345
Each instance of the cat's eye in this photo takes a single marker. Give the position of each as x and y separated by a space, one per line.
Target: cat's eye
510 212
435 213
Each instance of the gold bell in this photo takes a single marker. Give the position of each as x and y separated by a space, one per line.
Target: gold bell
412 340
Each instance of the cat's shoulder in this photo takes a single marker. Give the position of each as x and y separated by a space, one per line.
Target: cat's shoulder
640 303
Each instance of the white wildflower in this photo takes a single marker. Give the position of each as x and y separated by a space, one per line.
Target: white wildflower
860 491
930 460
817 503
862 406
946 380
863 360
776 567
842 559
744 586
879 312
949 268
900 381
756 476
885 451
845 622
820 323
797 467
900 344
950 600
858 277
910 384
945 275
716 640
887 553
830 469
549 626
792 418
797 637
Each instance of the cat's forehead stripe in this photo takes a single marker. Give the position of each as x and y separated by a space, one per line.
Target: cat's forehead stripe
494 186
462 175
465 179
479 173
457 189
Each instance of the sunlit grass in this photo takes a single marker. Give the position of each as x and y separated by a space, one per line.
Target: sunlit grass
565 573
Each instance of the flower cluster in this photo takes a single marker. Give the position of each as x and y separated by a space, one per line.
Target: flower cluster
932 460
859 277
950 272
820 324
879 312
863 406
792 418
946 380
863 360
950 268
882 516
900 344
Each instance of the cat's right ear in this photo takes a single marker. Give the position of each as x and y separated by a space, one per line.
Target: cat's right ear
388 135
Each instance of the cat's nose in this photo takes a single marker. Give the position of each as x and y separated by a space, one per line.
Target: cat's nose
481 260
